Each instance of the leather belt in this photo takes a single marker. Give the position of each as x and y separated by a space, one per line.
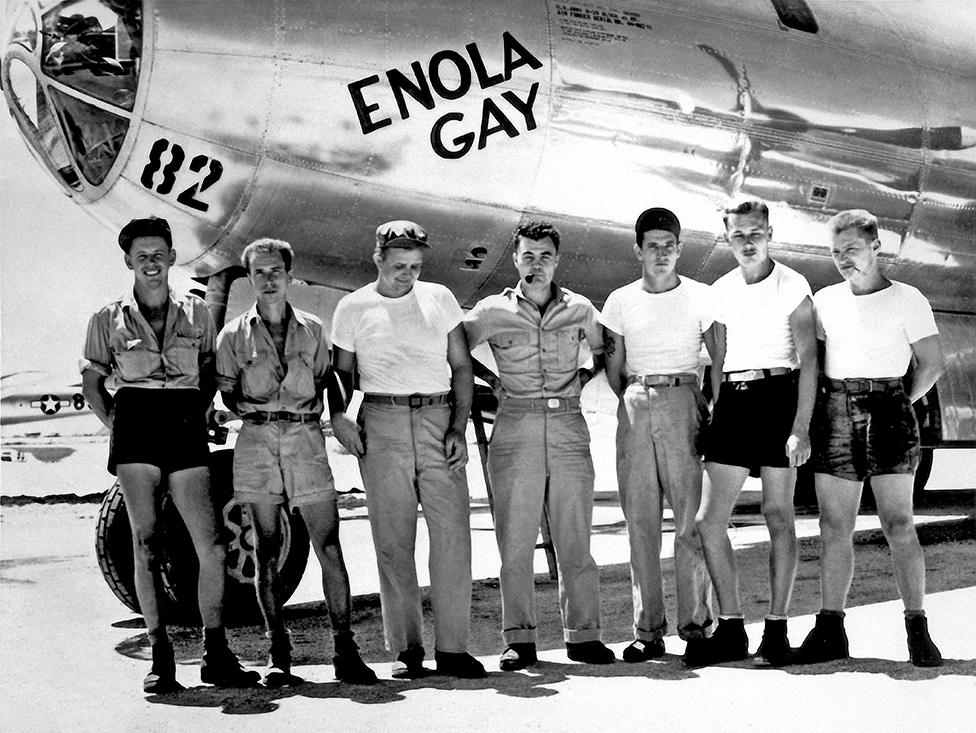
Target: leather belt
662 380
564 404
281 416
866 385
752 375
411 400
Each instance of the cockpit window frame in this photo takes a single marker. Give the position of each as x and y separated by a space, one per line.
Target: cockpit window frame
84 190
31 132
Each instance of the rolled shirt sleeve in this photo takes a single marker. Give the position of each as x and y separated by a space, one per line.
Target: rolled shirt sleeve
227 367
98 351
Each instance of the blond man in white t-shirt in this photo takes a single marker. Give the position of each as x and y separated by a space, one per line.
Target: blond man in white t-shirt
764 378
870 329
402 341
653 332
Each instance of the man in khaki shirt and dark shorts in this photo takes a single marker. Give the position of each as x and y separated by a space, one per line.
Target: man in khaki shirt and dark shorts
159 347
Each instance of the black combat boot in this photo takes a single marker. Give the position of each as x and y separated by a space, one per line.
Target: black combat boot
279 661
349 666
729 643
922 651
775 646
826 642
219 666
162 676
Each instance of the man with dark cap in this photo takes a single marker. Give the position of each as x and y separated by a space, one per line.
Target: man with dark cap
653 332
539 459
159 348
402 340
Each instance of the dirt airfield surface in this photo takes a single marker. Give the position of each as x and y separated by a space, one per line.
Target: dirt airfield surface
74 656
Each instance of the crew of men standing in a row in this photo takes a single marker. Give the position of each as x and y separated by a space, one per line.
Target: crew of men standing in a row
405 344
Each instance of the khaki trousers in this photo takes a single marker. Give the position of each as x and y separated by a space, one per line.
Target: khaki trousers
404 465
541 457
657 455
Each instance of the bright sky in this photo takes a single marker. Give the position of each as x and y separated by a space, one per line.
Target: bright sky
58 265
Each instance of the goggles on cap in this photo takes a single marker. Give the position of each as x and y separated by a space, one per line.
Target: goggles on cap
401 233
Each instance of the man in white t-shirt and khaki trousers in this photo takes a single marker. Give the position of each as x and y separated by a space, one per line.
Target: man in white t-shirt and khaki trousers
764 377
404 339
653 332
870 328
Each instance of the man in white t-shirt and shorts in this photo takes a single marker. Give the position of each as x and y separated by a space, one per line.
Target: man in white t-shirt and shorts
864 426
653 332
404 341
764 377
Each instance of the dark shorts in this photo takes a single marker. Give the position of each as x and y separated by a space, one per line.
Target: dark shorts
162 427
751 423
856 434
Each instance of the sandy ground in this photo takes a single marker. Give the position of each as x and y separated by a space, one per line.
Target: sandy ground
74 656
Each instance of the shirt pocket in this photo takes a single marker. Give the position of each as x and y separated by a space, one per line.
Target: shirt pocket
567 348
134 361
513 351
259 380
300 380
183 354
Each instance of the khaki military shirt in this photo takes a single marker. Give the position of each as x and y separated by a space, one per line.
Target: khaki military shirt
121 344
246 355
537 354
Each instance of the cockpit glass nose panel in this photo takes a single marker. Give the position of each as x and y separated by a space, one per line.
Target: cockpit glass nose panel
95 47
24 29
94 135
25 89
30 99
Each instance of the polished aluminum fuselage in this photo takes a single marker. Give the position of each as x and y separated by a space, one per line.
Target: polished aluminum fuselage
633 105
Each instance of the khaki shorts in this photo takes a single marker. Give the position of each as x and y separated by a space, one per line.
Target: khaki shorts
282 463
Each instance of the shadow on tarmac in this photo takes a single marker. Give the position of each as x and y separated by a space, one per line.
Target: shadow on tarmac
532 683
535 682
888 668
949 552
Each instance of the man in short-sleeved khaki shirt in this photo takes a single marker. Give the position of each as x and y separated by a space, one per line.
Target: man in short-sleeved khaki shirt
539 458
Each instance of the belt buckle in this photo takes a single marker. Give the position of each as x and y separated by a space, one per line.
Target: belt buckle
552 403
415 400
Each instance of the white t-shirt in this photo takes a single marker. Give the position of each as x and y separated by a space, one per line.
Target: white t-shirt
400 343
871 336
757 318
662 331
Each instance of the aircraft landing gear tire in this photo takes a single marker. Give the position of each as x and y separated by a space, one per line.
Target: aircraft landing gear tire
113 549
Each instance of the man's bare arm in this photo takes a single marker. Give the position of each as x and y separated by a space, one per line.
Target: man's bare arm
717 352
803 325
930 365
462 391
98 398
615 359
346 430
